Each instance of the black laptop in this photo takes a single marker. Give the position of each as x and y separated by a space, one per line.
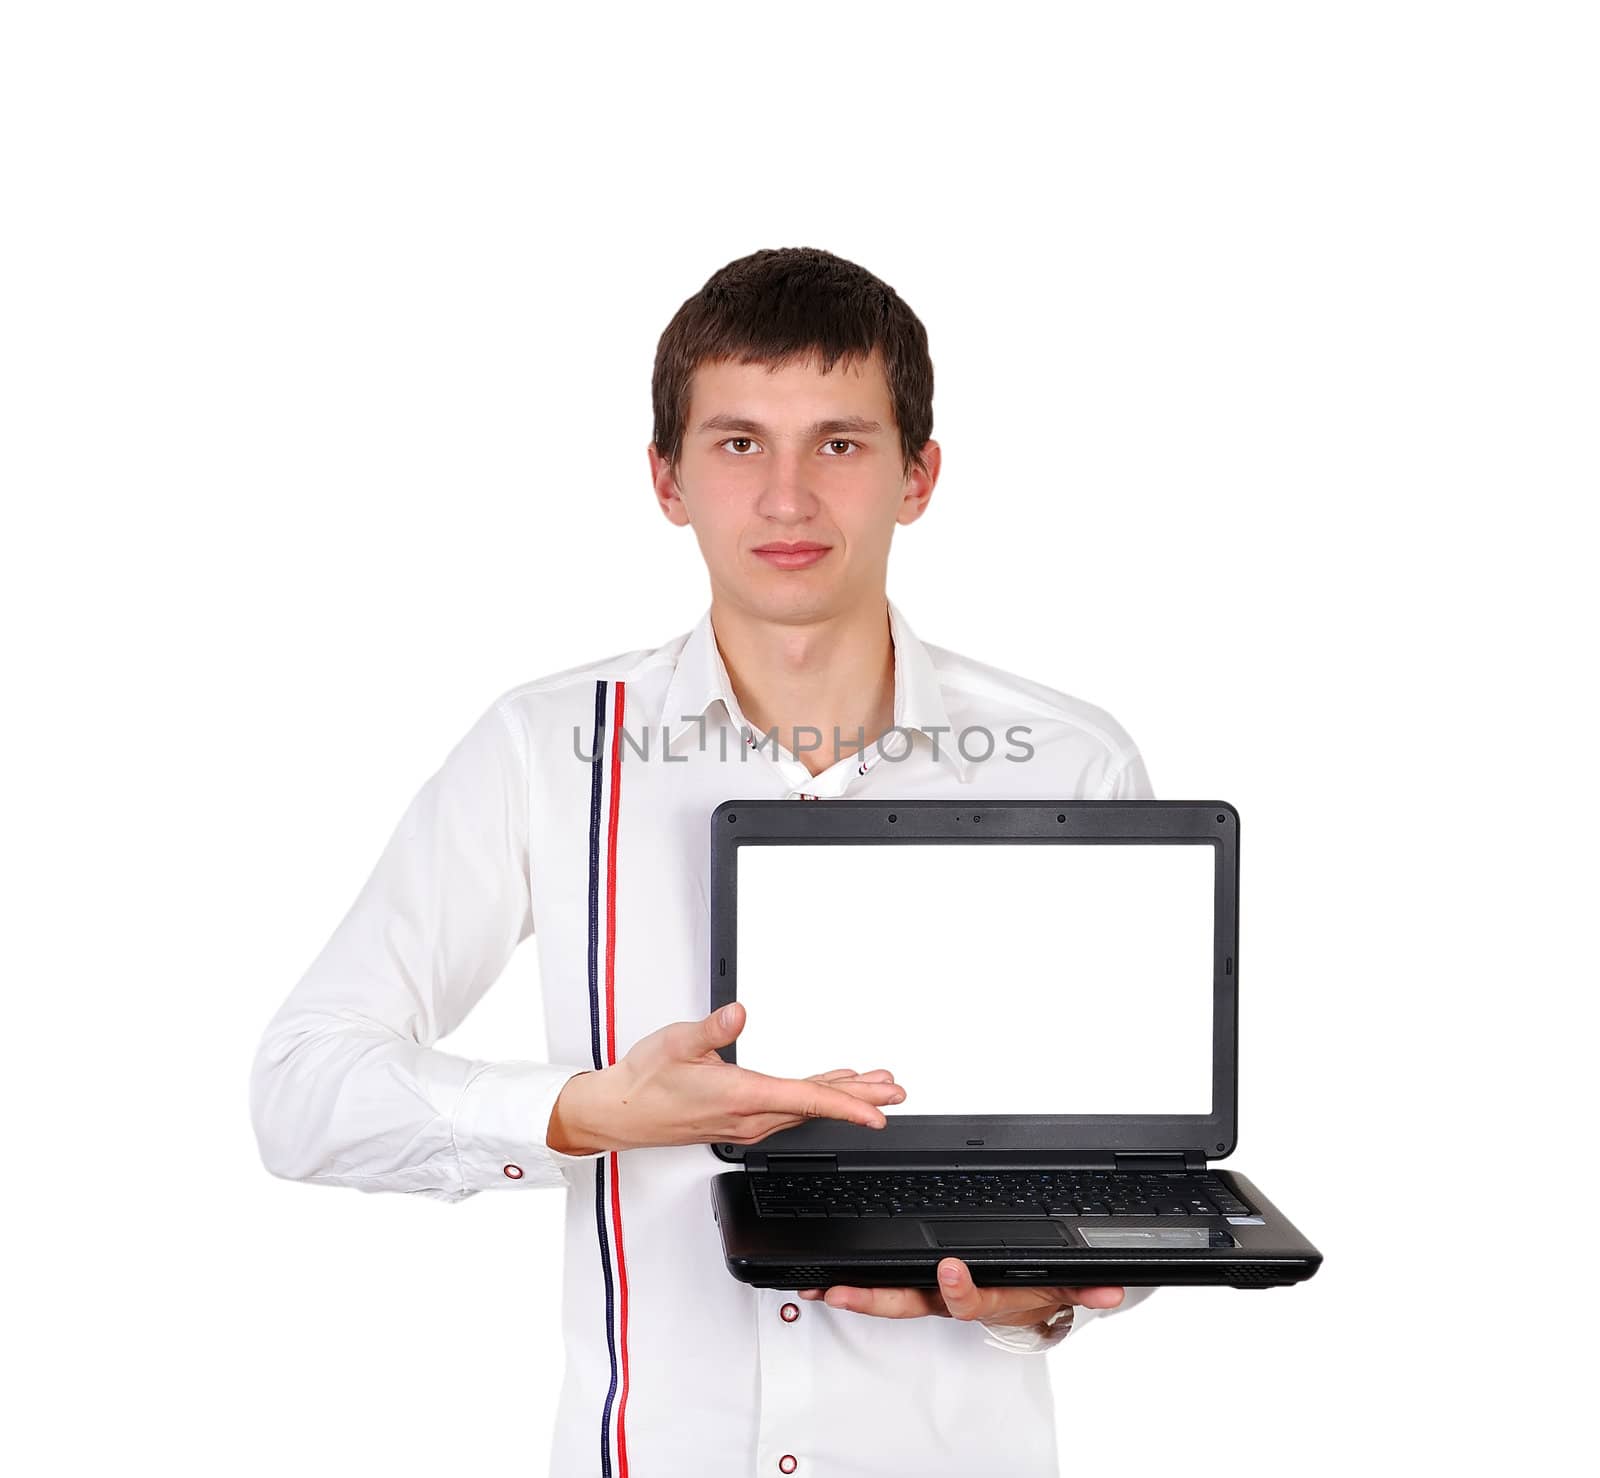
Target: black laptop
1054 983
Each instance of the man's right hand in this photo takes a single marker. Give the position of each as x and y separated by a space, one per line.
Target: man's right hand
673 1087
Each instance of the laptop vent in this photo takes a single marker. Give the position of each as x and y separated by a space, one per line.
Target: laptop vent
1253 1275
806 1277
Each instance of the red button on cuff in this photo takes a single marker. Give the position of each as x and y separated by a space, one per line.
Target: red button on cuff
789 1313
514 1172
787 1464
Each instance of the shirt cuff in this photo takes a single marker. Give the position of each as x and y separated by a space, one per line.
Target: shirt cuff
501 1123
1035 1339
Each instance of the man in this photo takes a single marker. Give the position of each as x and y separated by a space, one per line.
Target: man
793 412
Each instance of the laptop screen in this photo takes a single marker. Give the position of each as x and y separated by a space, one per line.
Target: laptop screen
991 978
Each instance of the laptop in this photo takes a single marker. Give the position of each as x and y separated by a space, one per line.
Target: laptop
1055 984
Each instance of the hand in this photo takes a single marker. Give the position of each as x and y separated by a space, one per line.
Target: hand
672 1087
958 1297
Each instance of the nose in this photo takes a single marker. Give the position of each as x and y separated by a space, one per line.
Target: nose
787 496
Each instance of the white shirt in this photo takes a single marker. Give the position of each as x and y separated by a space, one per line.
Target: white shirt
561 815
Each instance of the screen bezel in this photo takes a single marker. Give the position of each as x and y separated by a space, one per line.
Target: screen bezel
740 823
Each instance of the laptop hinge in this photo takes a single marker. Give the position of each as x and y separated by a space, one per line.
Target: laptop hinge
1174 1160
791 1163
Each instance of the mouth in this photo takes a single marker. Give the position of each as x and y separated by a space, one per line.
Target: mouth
796 556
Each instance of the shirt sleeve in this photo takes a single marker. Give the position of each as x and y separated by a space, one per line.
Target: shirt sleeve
1127 781
347 1087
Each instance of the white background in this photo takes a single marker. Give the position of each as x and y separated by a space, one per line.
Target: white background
1266 350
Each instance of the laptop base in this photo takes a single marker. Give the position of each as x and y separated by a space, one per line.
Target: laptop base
1261 1250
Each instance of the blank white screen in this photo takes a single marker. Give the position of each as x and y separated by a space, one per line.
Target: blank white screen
992 978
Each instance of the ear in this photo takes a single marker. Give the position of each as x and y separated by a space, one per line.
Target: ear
664 479
919 485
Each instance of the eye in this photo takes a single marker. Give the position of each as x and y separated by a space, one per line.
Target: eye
841 442
728 440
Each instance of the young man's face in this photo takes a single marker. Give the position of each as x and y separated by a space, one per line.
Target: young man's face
793 457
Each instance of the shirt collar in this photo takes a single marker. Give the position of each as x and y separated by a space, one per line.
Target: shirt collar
700 678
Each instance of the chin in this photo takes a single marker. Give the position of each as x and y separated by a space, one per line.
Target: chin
787 599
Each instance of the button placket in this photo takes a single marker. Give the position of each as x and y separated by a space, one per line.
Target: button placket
785 1347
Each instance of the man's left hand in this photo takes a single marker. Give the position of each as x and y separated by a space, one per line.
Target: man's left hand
958 1297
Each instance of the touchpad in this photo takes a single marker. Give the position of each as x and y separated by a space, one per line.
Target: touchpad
995 1233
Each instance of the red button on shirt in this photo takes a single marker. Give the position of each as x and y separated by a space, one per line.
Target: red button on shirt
789 1313
514 1171
787 1464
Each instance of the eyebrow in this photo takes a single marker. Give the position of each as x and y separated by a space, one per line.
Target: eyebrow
743 424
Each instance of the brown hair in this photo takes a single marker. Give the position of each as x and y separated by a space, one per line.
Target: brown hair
785 304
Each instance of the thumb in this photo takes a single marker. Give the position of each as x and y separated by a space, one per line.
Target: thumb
720 1028
961 1295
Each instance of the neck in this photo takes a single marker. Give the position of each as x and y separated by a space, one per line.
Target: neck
834 673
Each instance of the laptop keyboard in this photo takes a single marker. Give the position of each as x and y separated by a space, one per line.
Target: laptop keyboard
1000 1193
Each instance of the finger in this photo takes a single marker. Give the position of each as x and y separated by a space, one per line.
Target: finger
847 1076
759 1126
693 1039
885 1303
757 1123
817 1101
966 1300
811 1293
874 1092
1092 1298
960 1294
